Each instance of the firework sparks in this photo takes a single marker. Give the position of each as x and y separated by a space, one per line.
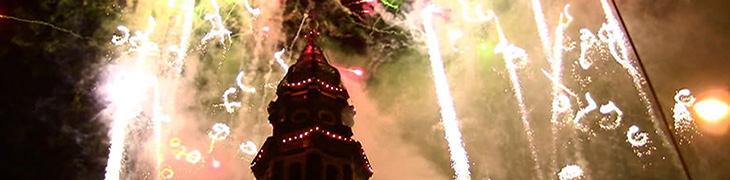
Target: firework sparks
511 55
459 158
217 29
218 132
242 85
607 109
230 105
584 111
683 120
638 141
570 172
248 148
587 40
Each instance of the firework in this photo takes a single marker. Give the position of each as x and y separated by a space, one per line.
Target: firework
459 158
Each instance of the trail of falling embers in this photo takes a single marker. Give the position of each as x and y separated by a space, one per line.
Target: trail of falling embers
459 158
512 53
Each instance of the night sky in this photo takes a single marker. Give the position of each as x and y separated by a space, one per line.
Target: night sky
50 114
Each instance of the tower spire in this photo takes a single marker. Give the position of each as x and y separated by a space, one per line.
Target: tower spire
312 124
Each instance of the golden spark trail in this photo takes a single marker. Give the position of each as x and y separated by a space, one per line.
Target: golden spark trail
459 158
44 24
511 53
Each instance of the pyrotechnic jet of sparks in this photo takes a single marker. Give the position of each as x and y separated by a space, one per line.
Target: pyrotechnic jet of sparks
556 61
280 61
217 29
606 109
459 158
584 111
187 28
126 90
511 54
612 34
542 29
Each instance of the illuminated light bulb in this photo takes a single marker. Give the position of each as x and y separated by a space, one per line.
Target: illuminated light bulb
711 110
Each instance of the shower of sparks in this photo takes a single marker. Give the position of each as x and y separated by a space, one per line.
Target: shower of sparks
638 141
587 40
459 158
683 120
611 34
127 89
248 148
584 111
243 86
217 29
607 109
514 55
251 9
570 172
230 105
280 61
542 28
556 62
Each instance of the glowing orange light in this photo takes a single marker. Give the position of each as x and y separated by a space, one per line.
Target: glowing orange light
711 110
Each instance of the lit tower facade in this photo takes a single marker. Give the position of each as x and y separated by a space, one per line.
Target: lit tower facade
312 123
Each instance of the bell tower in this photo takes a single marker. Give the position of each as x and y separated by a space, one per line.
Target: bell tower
312 121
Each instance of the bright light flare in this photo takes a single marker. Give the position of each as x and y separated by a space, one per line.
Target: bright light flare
358 71
711 110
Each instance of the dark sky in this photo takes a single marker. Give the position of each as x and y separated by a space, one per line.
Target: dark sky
48 110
